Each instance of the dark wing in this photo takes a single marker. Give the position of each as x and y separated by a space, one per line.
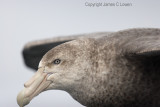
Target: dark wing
140 41
33 51
141 47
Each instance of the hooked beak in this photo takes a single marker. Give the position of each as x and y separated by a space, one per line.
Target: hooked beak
33 87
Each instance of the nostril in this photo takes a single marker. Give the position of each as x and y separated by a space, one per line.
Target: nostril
28 83
25 85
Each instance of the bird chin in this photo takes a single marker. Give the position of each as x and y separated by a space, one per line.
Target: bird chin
37 84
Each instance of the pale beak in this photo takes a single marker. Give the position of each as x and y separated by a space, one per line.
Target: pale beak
33 87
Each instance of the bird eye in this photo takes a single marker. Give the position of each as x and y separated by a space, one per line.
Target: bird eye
56 61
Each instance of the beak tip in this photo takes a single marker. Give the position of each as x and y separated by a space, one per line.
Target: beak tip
21 100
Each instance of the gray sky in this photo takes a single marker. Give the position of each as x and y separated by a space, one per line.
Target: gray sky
22 21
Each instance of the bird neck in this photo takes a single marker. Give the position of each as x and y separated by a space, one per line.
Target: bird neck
82 91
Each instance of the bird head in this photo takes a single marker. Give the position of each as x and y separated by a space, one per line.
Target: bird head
63 67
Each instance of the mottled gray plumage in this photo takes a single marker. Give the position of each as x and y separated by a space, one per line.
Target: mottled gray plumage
119 70
33 51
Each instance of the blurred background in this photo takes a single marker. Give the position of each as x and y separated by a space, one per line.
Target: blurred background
22 21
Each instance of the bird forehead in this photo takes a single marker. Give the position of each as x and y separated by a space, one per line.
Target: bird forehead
69 50
59 51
